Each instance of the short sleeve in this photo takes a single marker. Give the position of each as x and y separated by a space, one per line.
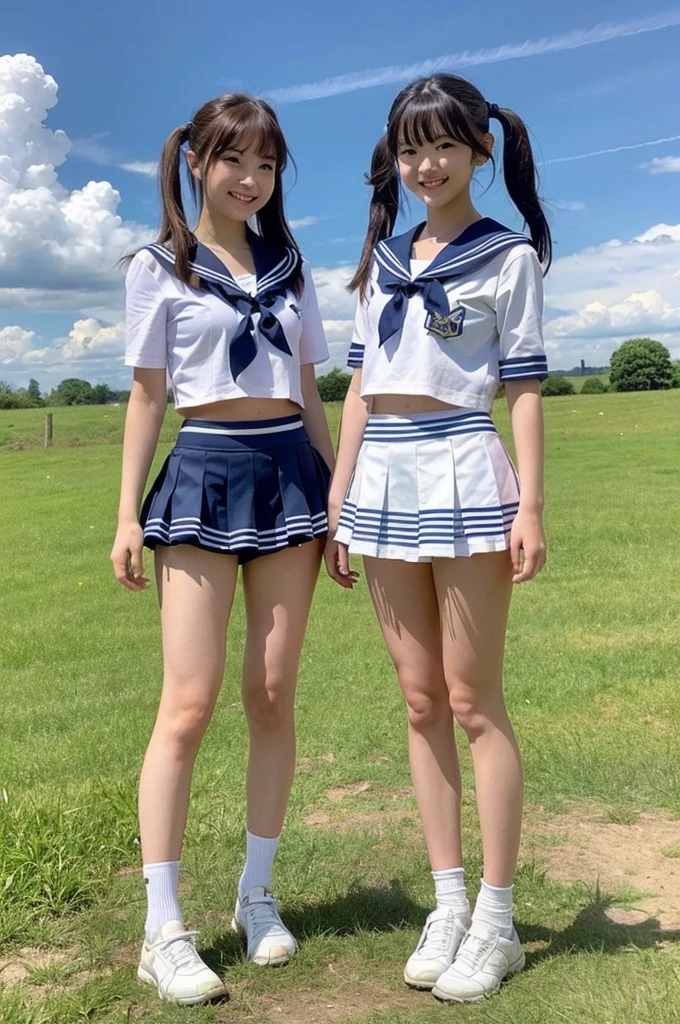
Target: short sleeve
313 344
519 318
360 334
146 315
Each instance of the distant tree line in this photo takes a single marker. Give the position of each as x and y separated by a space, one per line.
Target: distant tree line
640 364
71 391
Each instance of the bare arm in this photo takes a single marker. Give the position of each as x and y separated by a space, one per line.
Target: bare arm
314 417
355 413
526 414
143 420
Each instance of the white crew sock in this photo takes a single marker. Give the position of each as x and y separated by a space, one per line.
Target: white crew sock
161 894
449 888
260 853
494 907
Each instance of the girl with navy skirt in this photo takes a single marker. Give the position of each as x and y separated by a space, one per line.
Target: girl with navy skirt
425 490
229 314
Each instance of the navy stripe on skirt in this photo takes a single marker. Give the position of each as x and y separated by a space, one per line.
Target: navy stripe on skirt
241 488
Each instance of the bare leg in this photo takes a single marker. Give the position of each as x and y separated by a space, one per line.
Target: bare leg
405 601
278 593
196 591
474 596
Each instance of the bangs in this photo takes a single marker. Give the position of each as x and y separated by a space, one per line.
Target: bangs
427 118
248 125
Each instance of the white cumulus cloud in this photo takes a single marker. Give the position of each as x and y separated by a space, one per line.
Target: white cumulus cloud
15 342
663 165
51 240
90 338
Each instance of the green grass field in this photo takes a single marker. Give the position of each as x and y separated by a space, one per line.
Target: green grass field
593 682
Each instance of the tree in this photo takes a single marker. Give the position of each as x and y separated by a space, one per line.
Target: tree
675 383
72 391
557 386
593 386
34 391
101 394
333 386
641 364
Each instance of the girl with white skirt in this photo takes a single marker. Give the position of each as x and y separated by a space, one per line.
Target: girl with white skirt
425 490
230 315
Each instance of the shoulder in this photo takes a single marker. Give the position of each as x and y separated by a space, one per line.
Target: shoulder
146 267
519 258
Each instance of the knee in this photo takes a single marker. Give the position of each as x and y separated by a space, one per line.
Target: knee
471 710
269 705
425 706
183 725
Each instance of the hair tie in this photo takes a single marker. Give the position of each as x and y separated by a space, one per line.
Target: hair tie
491 110
186 130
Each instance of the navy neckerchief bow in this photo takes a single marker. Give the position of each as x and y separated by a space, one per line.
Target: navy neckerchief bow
273 272
471 250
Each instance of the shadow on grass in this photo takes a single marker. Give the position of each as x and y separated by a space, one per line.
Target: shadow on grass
389 909
592 931
361 909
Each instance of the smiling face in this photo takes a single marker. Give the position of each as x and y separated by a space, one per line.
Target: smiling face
238 182
437 172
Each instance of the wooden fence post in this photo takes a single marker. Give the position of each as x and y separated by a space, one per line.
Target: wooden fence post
48 429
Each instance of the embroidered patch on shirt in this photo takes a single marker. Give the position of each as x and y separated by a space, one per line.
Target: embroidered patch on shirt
446 327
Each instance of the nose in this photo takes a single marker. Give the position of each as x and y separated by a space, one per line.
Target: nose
247 179
426 164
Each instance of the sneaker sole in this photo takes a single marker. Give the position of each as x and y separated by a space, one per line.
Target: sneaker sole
446 997
270 960
205 997
418 984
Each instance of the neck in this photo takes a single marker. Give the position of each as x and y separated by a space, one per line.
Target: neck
445 223
215 230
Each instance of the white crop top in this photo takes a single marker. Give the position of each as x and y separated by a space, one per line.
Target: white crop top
490 331
189 332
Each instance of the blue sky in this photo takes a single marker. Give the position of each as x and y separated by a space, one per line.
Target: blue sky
585 77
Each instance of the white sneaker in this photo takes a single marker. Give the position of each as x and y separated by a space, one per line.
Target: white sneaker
484 959
170 963
437 946
257 917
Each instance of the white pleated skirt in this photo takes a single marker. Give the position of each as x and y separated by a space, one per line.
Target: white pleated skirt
430 485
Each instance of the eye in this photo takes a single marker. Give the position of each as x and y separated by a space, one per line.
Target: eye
231 159
266 167
446 145
408 151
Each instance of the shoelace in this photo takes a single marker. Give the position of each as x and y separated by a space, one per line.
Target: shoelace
439 934
180 949
472 949
263 914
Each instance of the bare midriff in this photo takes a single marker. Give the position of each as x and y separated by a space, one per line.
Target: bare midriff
403 405
242 409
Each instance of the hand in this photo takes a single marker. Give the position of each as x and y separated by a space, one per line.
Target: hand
337 564
527 539
126 556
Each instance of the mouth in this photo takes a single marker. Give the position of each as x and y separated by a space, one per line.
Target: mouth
242 197
432 183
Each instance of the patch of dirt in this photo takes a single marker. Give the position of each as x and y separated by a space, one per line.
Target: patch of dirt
351 999
19 966
310 764
376 821
580 847
342 792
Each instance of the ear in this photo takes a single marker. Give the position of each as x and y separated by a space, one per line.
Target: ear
193 164
488 141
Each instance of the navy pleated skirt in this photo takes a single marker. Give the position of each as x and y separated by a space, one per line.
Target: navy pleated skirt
240 488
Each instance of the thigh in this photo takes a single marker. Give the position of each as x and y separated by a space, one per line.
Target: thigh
405 602
278 591
474 599
196 592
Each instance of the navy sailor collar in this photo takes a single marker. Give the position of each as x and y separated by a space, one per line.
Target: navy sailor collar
273 268
474 247
478 244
